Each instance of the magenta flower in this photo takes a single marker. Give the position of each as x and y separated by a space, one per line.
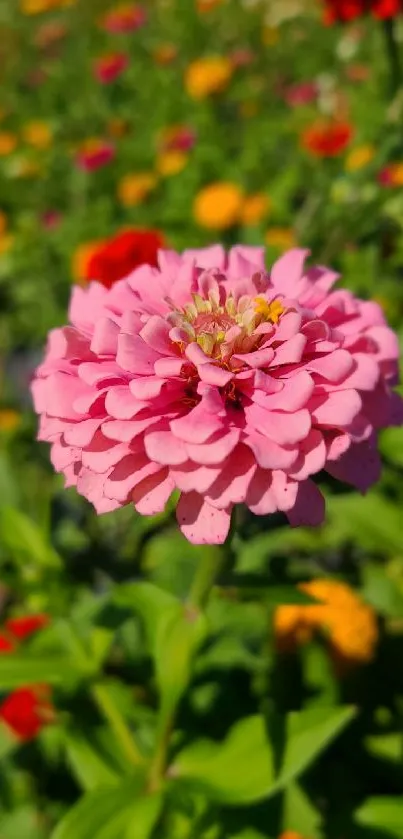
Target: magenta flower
212 376
108 67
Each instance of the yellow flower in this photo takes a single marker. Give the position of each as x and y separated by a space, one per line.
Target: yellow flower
359 157
135 187
290 834
6 242
9 419
81 259
255 208
8 142
37 134
24 167
218 206
207 76
3 223
281 238
37 7
349 624
270 36
171 162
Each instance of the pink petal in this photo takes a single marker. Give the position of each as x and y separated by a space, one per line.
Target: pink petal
287 271
312 456
280 427
338 409
333 367
196 426
268 454
284 491
258 358
294 395
190 476
216 450
146 387
156 334
201 523
260 497
151 495
82 433
124 431
291 351
105 338
164 448
101 453
232 485
129 472
120 403
167 367
134 355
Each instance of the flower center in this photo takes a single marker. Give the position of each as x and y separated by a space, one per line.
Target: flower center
222 324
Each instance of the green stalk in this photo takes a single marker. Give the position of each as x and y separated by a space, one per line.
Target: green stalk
117 723
392 49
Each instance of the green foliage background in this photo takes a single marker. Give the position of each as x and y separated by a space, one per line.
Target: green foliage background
175 718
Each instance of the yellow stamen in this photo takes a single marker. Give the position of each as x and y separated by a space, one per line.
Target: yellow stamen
269 311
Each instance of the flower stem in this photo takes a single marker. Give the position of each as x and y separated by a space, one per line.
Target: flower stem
208 569
117 723
392 49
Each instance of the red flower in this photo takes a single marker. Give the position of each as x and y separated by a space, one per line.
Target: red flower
109 67
6 644
346 10
124 18
95 153
119 256
27 710
26 625
327 139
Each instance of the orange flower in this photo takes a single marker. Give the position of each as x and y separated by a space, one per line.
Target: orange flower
327 138
82 257
359 157
118 127
207 5
171 163
208 76
165 54
218 206
9 419
135 187
37 7
255 208
290 834
349 624
8 142
37 134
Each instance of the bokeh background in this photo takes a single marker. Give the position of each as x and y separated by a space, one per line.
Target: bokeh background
202 120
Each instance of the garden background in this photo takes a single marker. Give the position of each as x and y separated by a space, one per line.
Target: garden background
206 120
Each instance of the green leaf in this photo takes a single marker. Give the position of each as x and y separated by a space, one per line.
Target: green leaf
381 591
24 821
257 587
237 771
299 814
385 746
8 742
110 813
143 817
383 813
87 763
174 633
25 540
174 651
217 768
308 734
16 671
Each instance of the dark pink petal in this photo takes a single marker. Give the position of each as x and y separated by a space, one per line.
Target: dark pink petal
309 507
359 466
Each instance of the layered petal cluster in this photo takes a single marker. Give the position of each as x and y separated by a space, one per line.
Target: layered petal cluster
214 377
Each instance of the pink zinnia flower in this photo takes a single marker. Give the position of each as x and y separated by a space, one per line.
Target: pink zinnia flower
212 376
95 153
109 67
126 17
301 93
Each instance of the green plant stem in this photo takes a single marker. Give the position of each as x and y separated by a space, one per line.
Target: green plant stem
392 49
117 723
207 572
